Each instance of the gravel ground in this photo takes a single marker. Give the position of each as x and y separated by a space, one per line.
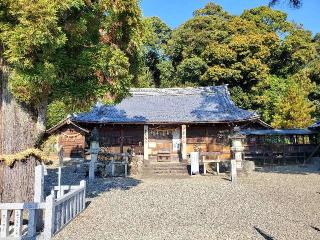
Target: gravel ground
276 203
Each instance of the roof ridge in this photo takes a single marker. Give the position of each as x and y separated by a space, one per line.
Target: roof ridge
177 90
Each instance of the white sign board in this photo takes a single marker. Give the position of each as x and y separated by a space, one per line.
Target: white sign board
194 158
152 144
176 140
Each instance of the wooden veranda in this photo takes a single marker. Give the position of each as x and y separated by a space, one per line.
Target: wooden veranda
281 147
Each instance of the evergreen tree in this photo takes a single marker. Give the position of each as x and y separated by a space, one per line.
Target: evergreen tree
70 53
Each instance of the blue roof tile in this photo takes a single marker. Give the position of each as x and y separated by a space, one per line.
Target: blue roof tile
278 132
170 105
315 125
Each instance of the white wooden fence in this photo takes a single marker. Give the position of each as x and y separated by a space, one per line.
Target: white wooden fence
70 202
19 210
60 207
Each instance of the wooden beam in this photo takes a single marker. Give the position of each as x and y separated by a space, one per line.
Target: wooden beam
184 142
121 139
145 142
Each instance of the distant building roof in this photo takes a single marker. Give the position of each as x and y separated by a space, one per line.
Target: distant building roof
278 132
315 125
64 122
170 105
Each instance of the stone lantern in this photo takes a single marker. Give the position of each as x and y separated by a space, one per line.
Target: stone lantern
94 150
237 147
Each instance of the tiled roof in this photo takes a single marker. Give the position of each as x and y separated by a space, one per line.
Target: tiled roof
66 121
315 125
170 105
278 132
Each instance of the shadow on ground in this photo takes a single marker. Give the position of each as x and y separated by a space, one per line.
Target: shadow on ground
101 185
72 176
263 234
315 228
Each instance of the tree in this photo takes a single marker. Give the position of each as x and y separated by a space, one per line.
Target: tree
156 37
293 3
70 52
167 74
235 50
190 70
284 101
214 47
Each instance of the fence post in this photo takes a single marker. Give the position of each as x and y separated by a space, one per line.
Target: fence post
126 166
4 224
49 217
38 184
84 185
17 223
112 168
32 223
38 195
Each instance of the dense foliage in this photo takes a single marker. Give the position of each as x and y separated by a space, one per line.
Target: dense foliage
293 3
269 63
68 54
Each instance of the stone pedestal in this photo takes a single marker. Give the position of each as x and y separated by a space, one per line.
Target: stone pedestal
194 158
233 170
237 150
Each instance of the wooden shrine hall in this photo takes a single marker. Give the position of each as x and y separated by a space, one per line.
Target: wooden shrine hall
163 125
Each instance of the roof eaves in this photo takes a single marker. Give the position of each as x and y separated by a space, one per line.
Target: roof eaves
66 121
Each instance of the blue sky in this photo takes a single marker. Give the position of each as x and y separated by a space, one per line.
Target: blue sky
175 12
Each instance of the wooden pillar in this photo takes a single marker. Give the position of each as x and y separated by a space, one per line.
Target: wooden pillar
207 139
184 142
121 139
146 142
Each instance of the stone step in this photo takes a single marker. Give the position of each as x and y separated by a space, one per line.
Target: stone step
166 169
168 166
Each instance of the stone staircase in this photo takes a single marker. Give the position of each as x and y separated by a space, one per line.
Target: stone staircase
165 168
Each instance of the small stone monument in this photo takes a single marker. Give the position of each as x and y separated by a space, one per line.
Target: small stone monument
237 147
194 159
94 150
233 170
237 153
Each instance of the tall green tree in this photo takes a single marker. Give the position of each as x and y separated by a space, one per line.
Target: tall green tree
293 3
214 47
284 102
157 34
70 53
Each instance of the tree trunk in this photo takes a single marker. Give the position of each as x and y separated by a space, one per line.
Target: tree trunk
19 128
